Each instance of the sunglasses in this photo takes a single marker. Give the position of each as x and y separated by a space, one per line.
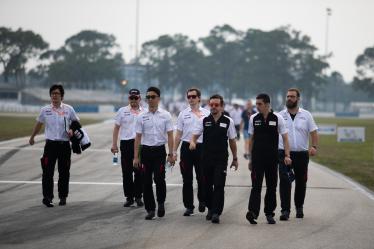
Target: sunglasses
214 105
134 97
191 96
151 96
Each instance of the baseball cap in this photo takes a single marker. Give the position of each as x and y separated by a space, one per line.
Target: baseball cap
134 92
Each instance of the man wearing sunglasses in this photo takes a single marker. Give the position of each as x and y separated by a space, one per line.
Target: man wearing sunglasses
216 130
265 127
125 126
186 121
154 128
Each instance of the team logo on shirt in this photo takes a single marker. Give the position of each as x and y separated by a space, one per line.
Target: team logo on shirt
187 116
208 123
258 122
223 125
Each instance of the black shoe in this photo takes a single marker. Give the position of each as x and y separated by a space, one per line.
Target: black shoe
139 202
150 216
246 156
128 203
215 218
201 207
161 210
188 212
299 213
285 215
62 201
251 217
209 215
270 219
48 203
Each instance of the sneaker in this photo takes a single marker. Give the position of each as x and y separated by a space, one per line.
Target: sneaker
209 215
128 203
48 202
150 216
139 202
251 217
62 201
270 219
285 215
299 213
188 212
161 210
215 218
201 207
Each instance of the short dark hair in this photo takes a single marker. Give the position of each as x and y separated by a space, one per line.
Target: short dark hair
294 89
198 92
154 89
217 96
59 87
265 97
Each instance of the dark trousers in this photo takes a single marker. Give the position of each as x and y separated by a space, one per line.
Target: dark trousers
153 160
237 128
259 170
189 160
59 151
132 178
214 175
300 162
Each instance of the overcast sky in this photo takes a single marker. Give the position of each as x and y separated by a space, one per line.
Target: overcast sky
351 23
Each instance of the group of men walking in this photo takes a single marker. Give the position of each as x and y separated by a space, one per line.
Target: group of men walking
203 137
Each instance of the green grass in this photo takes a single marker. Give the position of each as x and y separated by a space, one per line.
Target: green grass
355 160
20 126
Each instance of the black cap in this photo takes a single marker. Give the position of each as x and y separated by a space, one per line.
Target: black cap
134 92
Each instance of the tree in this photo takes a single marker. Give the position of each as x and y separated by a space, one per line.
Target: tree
365 71
85 59
16 48
223 55
307 69
175 61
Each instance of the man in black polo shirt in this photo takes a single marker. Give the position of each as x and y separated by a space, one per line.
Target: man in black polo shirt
264 128
216 130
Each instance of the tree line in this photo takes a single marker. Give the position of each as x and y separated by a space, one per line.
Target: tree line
227 60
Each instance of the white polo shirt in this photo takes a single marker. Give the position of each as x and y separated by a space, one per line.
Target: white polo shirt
57 121
187 120
126 119
154 127
298 129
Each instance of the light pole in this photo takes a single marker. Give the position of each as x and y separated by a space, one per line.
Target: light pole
328 14
137 32
123 83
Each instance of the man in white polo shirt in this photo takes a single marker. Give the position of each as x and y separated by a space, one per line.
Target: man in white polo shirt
300 124
125 125
187 119
57 118
154 128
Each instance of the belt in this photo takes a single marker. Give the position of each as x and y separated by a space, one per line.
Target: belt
56 141
296 152
153 147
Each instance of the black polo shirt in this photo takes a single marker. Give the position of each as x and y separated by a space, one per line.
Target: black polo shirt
266 136
215 136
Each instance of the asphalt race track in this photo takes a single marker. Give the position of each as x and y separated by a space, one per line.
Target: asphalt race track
338 213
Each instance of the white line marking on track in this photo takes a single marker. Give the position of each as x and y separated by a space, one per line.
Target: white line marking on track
81 183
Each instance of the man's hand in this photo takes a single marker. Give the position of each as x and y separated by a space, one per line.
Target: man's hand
234 164
114 148
192 146
313 151
287 160
135 163
170 159
31 141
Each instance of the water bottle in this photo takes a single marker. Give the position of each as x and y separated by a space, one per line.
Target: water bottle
115 159
168 167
